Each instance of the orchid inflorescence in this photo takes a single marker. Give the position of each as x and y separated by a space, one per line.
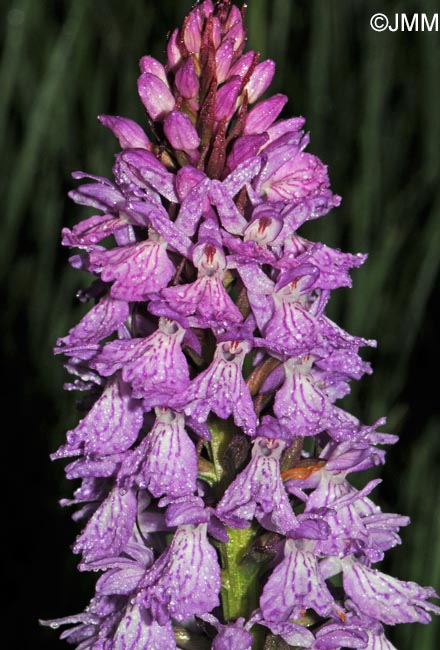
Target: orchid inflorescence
213 459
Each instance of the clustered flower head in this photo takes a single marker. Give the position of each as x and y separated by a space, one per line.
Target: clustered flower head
212 375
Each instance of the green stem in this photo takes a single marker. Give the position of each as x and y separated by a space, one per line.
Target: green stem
240 574
240 577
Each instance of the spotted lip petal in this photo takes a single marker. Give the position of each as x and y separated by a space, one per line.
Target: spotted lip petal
185 580
294 586
165 462
138 629
386 598
155 367
101 321
302 177
300 403
137 270
292 328
110 427
109 530
207 297
258 492
222 389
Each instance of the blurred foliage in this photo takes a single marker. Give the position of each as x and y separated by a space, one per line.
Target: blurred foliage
372 106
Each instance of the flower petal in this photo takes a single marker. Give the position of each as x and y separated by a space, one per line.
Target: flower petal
101 321
185 580
128 132
155 96
138 270
294 586
139 630
109 530
386 598
110 427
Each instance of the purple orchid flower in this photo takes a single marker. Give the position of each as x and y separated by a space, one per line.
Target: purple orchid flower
185 580
155 366
165 462
258 492
221 388
296 585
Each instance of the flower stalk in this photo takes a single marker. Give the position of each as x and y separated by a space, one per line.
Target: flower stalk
239 593
214 459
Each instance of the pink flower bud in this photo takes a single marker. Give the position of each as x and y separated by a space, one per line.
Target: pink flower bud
223 59
173 53
155 96
187 81
181 132
192 33
216 33
237 34
207 7
151 65
260 80
234 17
226 99
264 114
242 65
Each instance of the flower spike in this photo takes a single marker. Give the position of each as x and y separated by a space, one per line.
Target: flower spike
214 458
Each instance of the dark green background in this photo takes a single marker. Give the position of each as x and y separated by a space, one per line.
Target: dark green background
372 106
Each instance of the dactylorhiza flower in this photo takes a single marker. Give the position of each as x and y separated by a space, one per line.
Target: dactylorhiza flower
214 446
